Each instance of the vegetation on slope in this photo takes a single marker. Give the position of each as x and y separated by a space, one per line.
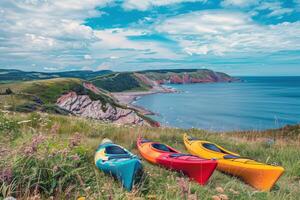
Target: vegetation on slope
193 73
52 156
120 82
129 81
12 75
43 94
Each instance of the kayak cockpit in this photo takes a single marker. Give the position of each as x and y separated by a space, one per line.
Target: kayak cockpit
162 147
116 152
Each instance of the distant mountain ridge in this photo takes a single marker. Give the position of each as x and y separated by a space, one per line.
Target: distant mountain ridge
10 75
148 79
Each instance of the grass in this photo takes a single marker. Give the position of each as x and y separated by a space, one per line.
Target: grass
51 156
120 82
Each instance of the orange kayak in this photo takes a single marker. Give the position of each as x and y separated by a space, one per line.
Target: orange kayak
196 168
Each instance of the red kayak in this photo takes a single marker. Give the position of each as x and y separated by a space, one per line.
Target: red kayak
196 168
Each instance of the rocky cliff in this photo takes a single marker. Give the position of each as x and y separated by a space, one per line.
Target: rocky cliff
188 76
105 110
82 105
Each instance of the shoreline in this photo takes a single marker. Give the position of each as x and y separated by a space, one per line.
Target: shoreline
127 98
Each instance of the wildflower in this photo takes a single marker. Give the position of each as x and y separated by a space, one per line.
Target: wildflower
233 191
215 197
75 157
223 197
6 175
36 140
55 168
219 189
192 197
54 129
75 140
184 186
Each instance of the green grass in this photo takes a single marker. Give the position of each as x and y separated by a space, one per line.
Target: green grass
120 82
52 156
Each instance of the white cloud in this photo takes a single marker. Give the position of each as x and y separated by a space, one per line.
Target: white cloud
275 9
48 33
219 32
147 4
87 57
239 3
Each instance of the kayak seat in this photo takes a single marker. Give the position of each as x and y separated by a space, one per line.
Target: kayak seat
162 147
115 150
175 155
118 157
213 147
230 156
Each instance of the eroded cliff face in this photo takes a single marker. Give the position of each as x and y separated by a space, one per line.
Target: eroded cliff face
82 105
186 78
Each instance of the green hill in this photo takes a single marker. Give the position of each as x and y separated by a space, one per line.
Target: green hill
120 82
42 94
52 157
11 75
145 80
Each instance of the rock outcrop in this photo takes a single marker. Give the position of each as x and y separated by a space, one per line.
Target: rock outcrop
186 79
82 105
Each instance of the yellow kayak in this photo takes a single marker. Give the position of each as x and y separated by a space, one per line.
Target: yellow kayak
259 175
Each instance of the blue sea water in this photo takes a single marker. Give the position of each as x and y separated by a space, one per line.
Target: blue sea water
256 103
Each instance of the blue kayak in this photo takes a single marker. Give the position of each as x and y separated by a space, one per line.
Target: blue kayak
120 163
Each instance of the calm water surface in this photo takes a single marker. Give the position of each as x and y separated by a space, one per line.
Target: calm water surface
256 103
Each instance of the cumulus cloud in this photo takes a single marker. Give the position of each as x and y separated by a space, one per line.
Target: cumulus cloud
219 32
45 32
275 9
239 3
147 4
52 35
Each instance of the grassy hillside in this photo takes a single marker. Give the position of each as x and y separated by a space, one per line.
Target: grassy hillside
193 73
52 156
129 81
12 75
42 94
119 82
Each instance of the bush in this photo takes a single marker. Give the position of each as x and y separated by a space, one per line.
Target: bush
8 126
8 91
50 174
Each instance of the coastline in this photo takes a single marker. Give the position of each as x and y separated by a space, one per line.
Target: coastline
127 98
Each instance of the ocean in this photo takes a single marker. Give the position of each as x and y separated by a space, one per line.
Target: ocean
255 103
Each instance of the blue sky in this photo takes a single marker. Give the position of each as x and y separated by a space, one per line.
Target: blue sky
240 37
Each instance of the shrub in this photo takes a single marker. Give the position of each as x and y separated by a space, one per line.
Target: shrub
7 125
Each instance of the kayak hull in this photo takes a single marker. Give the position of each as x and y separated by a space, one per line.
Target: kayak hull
258 175
124 168
195 168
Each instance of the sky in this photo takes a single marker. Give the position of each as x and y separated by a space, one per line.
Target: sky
239 37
